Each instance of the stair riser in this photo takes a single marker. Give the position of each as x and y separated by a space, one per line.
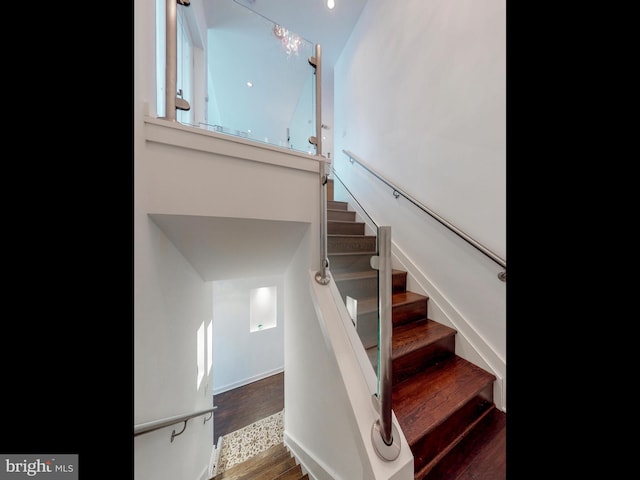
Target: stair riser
398 282
368 287
341 215
356 262
336 205
345 244
345 228
432 443
409 312
414 362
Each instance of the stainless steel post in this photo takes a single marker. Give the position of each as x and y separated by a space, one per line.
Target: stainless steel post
317 63
171 67
322 277
384 436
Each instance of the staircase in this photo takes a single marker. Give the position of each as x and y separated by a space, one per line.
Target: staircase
444 404
274 463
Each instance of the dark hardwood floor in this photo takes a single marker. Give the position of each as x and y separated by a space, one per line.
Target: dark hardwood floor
244 405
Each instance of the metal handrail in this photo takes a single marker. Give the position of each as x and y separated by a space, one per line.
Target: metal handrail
165 422
397 192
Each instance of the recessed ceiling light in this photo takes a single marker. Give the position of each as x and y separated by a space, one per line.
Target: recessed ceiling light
331 4
249 84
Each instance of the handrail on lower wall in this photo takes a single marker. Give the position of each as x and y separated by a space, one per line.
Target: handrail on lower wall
397 192
165 422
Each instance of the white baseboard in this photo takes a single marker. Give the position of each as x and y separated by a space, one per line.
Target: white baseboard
315 468
204 475
215 457
247 381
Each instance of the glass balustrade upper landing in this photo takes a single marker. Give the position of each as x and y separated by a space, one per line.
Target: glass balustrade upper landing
259 82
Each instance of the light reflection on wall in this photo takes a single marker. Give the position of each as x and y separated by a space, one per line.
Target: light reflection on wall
262 304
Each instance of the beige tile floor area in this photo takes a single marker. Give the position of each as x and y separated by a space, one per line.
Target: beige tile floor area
238 446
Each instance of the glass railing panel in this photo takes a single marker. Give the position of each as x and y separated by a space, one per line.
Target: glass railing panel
353 241
259 83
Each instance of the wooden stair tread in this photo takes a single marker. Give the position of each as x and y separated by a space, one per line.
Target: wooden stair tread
456 462
293 473
341 276
258 461
337 254
422 401
403 298
337 205
350 222
366 305
349 235
412 336
272 470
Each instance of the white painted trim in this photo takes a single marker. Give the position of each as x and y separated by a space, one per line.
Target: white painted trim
215 457
315 468
194 138
204 475
246 381
470 345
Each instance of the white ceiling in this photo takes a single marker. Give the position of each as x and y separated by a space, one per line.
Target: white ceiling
226 248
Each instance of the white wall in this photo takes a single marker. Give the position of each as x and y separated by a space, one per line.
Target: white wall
242 356
171 303
420 97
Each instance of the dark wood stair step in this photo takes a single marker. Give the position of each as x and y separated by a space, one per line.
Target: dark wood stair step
402 303
483 451
345 227
269 472
337 205
294 473
341 215
437 406
419 344
408 306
